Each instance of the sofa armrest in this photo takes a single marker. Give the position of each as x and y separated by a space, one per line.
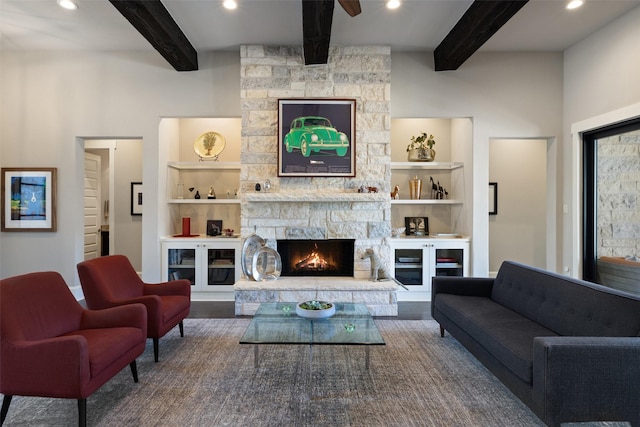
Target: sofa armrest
470 286
180 287
586 379
130 315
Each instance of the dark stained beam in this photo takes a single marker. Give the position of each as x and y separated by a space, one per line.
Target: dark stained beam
154 22
352 7
481 21
317 16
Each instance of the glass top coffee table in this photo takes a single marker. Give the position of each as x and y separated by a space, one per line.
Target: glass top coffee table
278 323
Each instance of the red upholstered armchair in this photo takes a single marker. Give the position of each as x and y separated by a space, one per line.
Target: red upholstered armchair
50 346
110 281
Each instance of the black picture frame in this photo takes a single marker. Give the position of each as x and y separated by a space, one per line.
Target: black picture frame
136 198
493 198
298 155
416 223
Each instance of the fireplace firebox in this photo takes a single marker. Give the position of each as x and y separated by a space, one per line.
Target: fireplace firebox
331 257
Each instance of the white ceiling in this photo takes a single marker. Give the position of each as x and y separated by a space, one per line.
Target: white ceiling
541 25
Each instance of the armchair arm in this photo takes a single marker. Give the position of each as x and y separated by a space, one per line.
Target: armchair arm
130 315
153 305
470 286
53 367
174 287
586 378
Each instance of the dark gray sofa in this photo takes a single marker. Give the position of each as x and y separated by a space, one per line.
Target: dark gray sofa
569 349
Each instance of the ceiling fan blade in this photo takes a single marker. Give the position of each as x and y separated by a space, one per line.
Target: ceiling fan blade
352 7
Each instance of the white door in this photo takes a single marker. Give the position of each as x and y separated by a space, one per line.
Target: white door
518 231
92 173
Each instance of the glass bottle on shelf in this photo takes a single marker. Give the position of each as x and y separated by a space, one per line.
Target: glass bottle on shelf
180 190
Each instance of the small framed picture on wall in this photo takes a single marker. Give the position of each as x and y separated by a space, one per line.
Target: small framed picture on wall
29 199
136 198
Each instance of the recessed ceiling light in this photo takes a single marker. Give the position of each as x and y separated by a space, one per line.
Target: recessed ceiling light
68 4
230 4
574 4
393 4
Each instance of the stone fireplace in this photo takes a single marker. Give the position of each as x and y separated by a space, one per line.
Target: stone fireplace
317 207
306 208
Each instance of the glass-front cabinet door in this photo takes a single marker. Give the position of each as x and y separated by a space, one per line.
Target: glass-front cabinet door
181 263
221 266
409 266
415 261
210 264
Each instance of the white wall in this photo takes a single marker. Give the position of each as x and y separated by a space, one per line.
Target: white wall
601 86
49 99
508 95
127 231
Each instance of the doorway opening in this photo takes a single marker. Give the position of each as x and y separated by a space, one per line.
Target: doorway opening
110 166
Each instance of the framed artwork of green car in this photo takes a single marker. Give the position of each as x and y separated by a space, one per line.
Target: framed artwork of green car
316 137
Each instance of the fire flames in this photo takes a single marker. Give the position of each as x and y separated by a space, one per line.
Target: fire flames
314 261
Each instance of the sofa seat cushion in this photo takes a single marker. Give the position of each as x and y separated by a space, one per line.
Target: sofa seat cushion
507 335
104 343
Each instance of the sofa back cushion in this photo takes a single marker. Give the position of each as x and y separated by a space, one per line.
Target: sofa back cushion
567 306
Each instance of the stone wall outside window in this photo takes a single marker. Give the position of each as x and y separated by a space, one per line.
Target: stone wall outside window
618 195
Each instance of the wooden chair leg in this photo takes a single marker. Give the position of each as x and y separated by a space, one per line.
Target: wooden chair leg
82 412
134 371
5 407
181 326
156 344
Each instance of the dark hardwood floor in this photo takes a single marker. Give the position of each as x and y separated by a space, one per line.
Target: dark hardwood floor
407 310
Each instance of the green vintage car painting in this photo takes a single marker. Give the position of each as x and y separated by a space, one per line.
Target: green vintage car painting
312 134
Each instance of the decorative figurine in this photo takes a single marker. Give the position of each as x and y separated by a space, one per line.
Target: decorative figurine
212 193
395 194
379 271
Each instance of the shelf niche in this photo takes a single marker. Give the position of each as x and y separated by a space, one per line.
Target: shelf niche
177 136
451 168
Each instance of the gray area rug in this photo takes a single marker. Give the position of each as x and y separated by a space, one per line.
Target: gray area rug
208 379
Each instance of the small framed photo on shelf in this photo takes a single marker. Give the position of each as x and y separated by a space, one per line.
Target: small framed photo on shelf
416 226
214 227
136 198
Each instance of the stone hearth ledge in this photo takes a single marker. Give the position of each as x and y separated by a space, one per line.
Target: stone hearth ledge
379 297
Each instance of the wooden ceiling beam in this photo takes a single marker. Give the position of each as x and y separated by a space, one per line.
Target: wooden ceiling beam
317 17
352 7
154 22
481 21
